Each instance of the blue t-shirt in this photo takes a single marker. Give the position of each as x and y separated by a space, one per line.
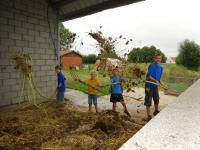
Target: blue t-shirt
154 71
61 82
116 88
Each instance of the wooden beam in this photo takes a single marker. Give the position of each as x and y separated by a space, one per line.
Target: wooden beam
96 8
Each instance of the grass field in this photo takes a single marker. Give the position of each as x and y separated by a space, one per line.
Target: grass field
170 70
175 71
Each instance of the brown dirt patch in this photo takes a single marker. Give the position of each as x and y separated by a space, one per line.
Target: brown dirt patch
54 125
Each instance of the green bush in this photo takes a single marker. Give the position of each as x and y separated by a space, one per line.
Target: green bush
89 59
189 55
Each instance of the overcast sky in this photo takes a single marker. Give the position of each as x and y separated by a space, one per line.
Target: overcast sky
163 23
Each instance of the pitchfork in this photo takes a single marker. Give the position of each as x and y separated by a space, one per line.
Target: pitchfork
167 90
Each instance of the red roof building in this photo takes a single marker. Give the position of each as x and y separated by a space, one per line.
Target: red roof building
69 58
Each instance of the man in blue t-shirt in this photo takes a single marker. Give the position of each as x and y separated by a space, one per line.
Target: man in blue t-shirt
116 91
154 74
61 84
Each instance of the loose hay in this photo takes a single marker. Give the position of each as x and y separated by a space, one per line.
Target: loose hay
60 126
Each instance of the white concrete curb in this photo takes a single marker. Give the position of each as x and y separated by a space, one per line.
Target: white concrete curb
177 127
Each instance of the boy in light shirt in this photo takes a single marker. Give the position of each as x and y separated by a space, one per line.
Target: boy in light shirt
116 91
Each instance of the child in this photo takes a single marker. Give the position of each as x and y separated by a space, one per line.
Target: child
93 85
116 91
154 74
61 84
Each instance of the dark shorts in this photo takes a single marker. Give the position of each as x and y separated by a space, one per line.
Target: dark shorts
116 98
151 94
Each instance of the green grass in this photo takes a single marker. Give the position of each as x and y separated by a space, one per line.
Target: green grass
179 87
170 70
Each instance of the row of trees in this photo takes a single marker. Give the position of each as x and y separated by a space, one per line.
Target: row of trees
189 55
145 54
140 55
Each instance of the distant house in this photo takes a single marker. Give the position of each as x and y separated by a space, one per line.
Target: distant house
69 58
171 60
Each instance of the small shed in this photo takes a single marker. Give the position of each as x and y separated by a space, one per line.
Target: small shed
70 58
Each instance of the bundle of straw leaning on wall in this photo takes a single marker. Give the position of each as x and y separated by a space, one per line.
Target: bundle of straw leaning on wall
24 63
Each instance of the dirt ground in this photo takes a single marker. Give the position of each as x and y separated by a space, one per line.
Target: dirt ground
53 125
69 126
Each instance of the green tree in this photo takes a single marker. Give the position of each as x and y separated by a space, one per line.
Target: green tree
89 59
189 55
66 37
145 54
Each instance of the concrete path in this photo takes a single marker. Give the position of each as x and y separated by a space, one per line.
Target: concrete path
177 127
81 99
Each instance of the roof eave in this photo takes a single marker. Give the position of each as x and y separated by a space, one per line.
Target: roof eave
94 9
71 52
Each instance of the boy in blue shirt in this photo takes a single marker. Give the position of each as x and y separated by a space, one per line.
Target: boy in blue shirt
154 74
116 91
61 84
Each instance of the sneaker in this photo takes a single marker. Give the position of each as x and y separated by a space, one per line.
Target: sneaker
148 118
126 111
156 112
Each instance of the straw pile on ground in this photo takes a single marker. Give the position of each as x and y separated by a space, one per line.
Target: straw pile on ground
54 125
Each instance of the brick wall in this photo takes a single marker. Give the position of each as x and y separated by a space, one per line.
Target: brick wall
71 61
24 27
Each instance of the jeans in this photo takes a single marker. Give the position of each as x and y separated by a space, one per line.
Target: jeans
60 96
92 99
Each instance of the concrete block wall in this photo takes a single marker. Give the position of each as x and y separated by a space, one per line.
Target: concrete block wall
24 28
